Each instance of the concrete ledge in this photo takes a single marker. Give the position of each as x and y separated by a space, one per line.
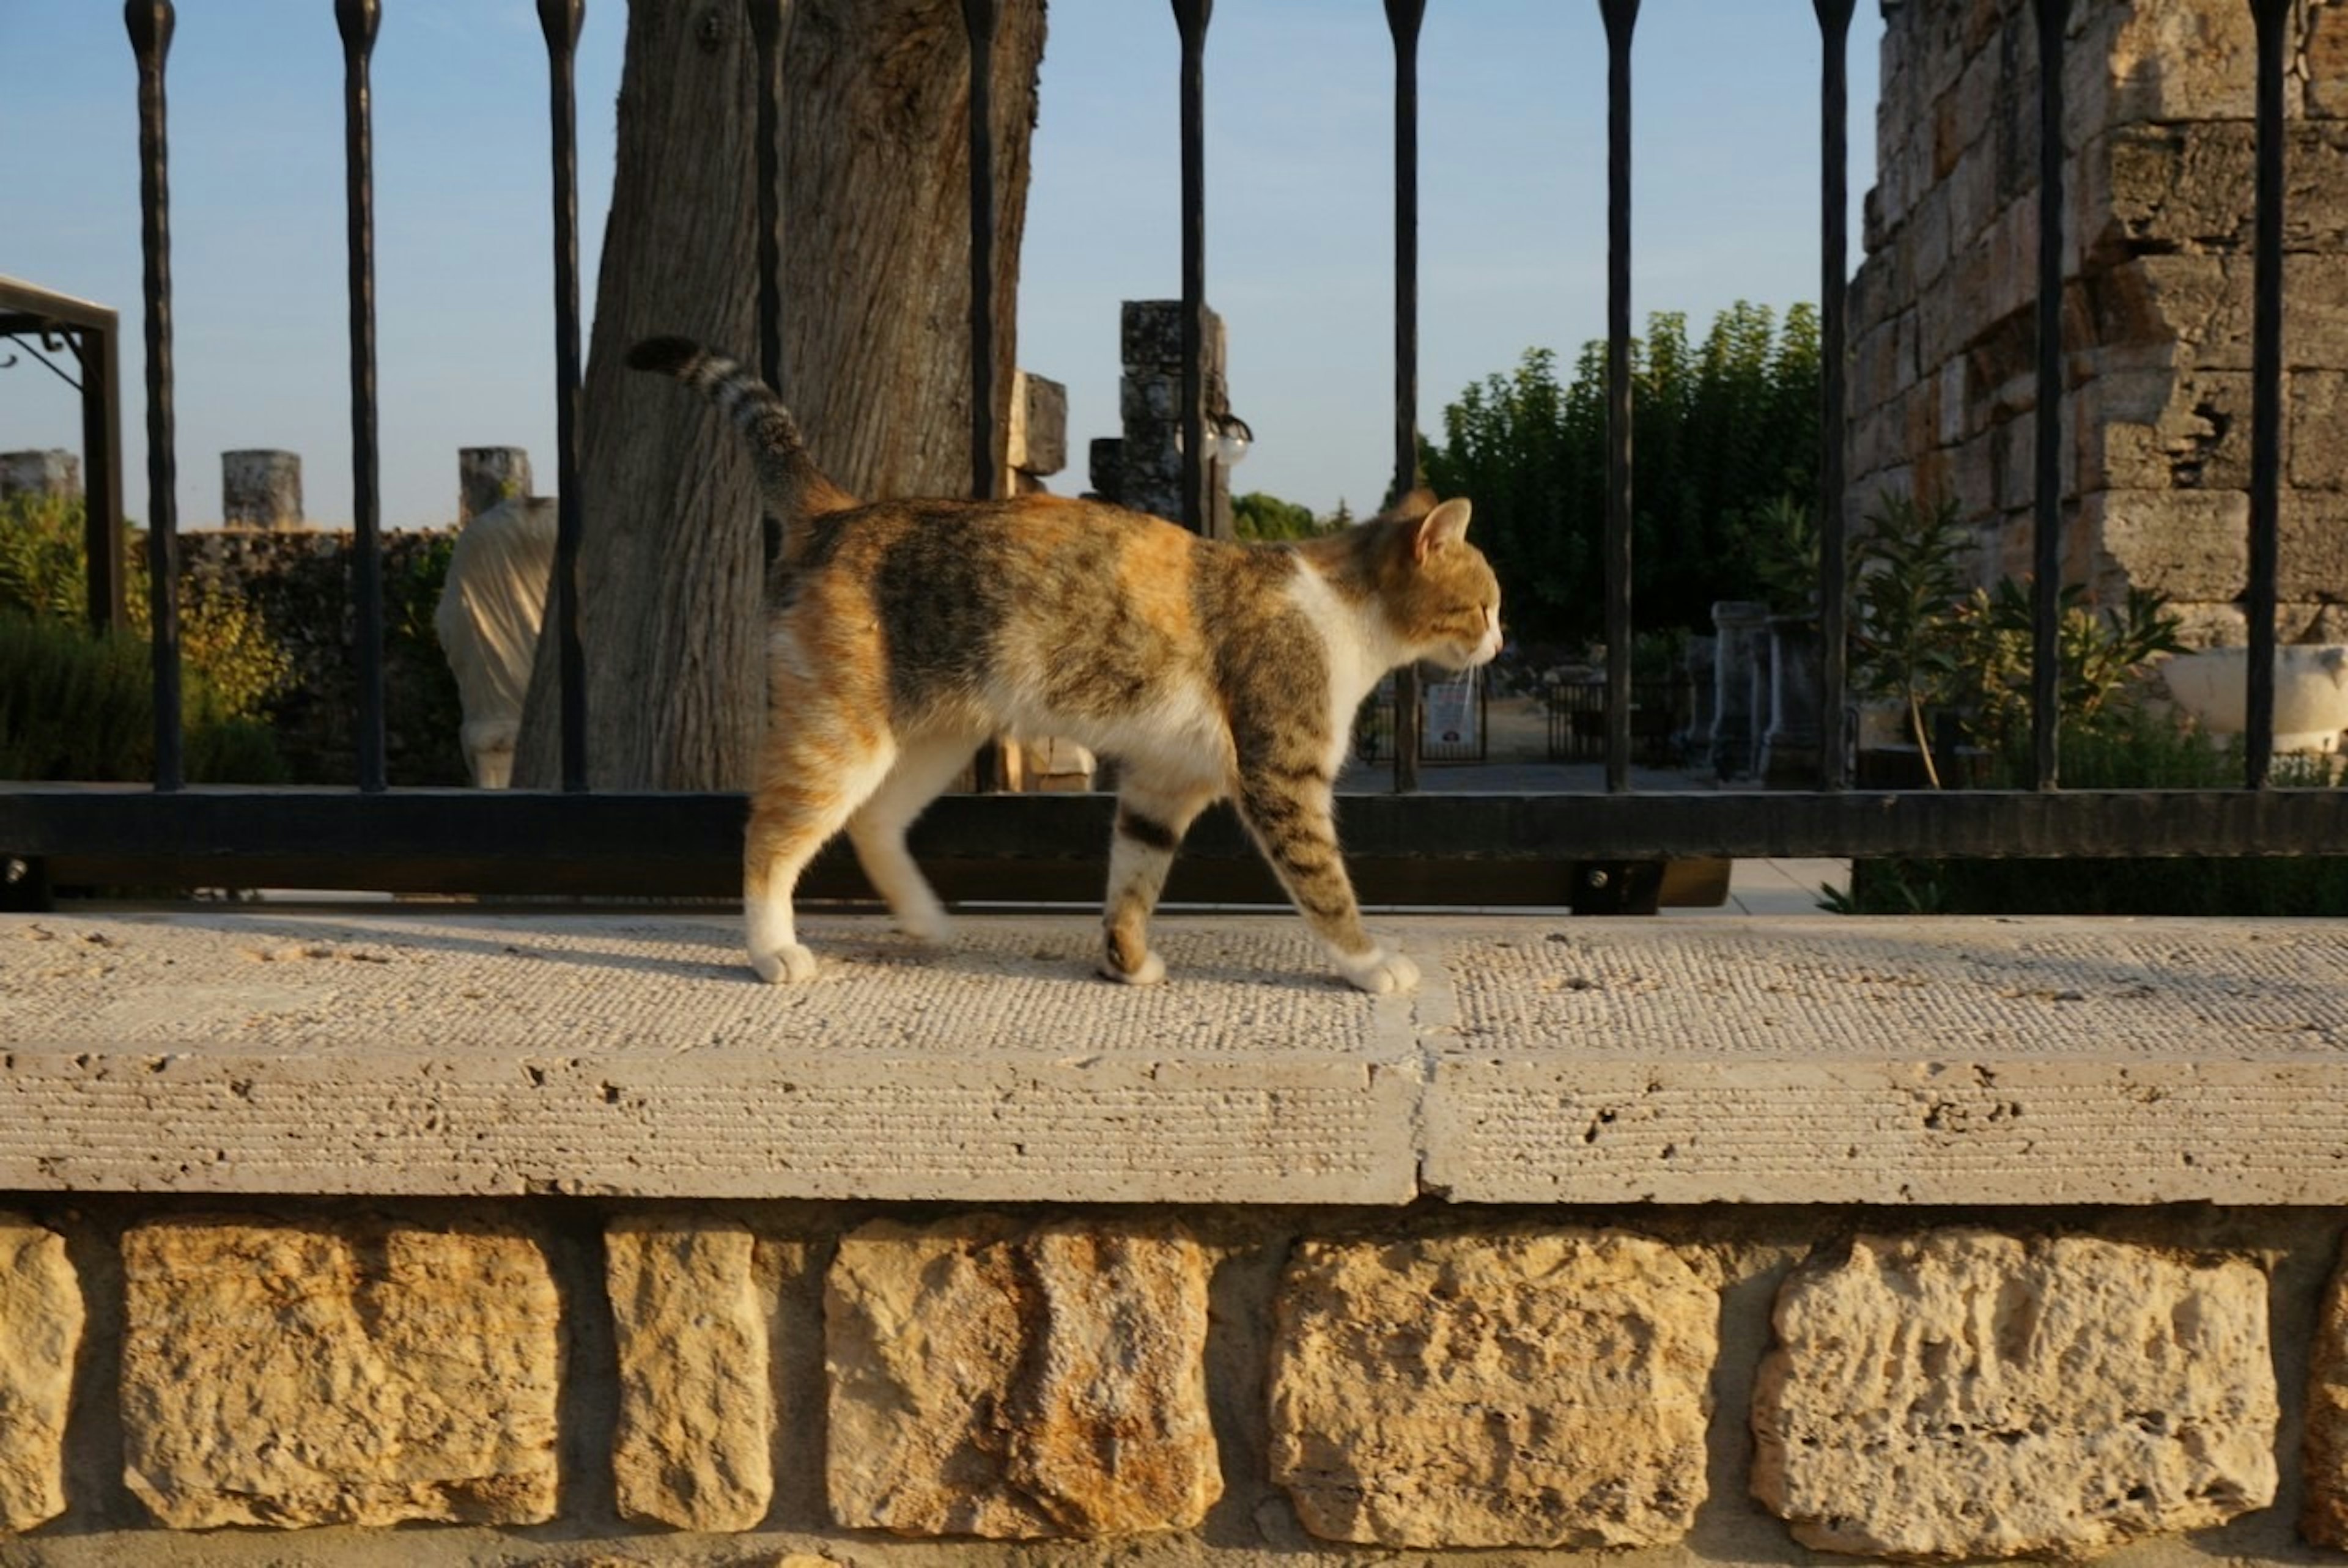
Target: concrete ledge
1666 1061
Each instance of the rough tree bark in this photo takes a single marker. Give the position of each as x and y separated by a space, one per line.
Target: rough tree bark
875 342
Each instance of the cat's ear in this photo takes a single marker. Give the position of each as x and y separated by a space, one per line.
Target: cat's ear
1444 526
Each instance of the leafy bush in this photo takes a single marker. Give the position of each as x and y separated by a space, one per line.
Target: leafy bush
1257 515
2125 744
224 640
1720 431
78 706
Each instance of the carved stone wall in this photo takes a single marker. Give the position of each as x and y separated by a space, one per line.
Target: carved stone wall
2156 301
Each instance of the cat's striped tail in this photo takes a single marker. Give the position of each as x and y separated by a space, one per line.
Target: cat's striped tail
793 487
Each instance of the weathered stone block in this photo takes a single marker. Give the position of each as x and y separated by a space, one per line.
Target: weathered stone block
2326 59
2312 546
260 489
2163 61
40 1333
1519 1388
2323 1513
2197 438
53 471
990 1378
348 1372
1967 1394
693 1443
1039 424
2315 441
2189 544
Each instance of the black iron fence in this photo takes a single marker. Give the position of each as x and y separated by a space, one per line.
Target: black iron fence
1404 845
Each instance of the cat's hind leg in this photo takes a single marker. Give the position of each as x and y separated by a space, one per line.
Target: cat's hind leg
923 768
1150 822
814 772
1291 812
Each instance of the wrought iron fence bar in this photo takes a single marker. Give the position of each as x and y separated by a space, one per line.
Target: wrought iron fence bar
560 20
1834 288
2272 18
767 33
358 20
1403 20
1622 16
615 837
2046 543
150 24
979 18
1192 17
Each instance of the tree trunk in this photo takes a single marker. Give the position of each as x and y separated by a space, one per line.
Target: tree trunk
875 247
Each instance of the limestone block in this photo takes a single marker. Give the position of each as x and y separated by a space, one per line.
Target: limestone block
2199 307
2326 61
40 1332
2324 1514
2312 546
1528 1387
355 1371
2316 443
2189 188
2197 437
2189 544
1968 1394
52 471
990 1378
1038 437
693 1446
2163 62
260 489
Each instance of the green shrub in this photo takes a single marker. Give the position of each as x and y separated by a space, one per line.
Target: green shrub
224 641
78 706
2123 745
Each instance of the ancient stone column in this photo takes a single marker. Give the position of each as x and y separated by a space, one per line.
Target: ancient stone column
1150 405
488 474
1739 624
54 472
1106 469
1696 665
260 489
1789 746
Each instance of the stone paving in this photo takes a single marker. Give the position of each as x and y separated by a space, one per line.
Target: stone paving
412 1050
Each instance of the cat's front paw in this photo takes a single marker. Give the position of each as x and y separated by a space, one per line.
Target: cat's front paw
1150 972
932 928
785 965
1381 973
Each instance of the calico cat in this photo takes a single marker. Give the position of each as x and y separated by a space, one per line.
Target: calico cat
905 634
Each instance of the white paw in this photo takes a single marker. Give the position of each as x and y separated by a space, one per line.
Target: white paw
1151 971
1382 973
785 965
933 926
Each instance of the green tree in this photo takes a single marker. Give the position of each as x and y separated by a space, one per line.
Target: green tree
1721 430
1256 516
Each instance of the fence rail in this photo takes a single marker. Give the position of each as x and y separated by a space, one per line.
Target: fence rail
1406 845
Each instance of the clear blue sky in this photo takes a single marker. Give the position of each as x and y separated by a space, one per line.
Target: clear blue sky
1299 226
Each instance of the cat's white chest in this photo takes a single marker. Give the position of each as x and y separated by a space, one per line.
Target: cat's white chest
1353 644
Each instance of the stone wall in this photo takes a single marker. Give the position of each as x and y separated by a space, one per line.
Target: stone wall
2156 301
562 1380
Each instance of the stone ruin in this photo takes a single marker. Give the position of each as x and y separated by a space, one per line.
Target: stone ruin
2156 301
1143 468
